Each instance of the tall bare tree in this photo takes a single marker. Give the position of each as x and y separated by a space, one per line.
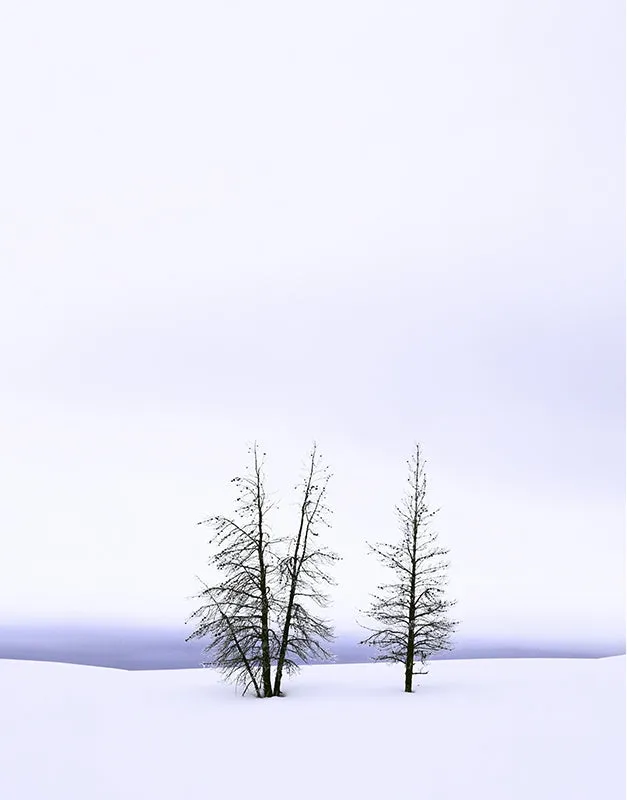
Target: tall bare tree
411 612
236 613
258 614
304 575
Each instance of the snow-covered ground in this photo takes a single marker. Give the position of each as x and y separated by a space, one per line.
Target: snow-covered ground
490 729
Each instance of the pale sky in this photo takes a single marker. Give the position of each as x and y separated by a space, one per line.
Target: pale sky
363 223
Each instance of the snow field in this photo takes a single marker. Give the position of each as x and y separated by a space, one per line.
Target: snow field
495 729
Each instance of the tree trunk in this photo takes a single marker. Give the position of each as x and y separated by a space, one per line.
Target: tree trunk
411 622
409 670
286 632
411 634
300 537
266 676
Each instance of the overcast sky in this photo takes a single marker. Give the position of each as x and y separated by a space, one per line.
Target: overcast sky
368 224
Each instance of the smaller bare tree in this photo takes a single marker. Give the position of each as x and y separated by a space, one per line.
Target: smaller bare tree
411 611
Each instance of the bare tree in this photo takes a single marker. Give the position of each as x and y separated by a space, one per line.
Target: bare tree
257 615
303 572
411 612
236 611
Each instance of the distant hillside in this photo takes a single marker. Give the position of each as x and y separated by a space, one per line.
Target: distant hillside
165 648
